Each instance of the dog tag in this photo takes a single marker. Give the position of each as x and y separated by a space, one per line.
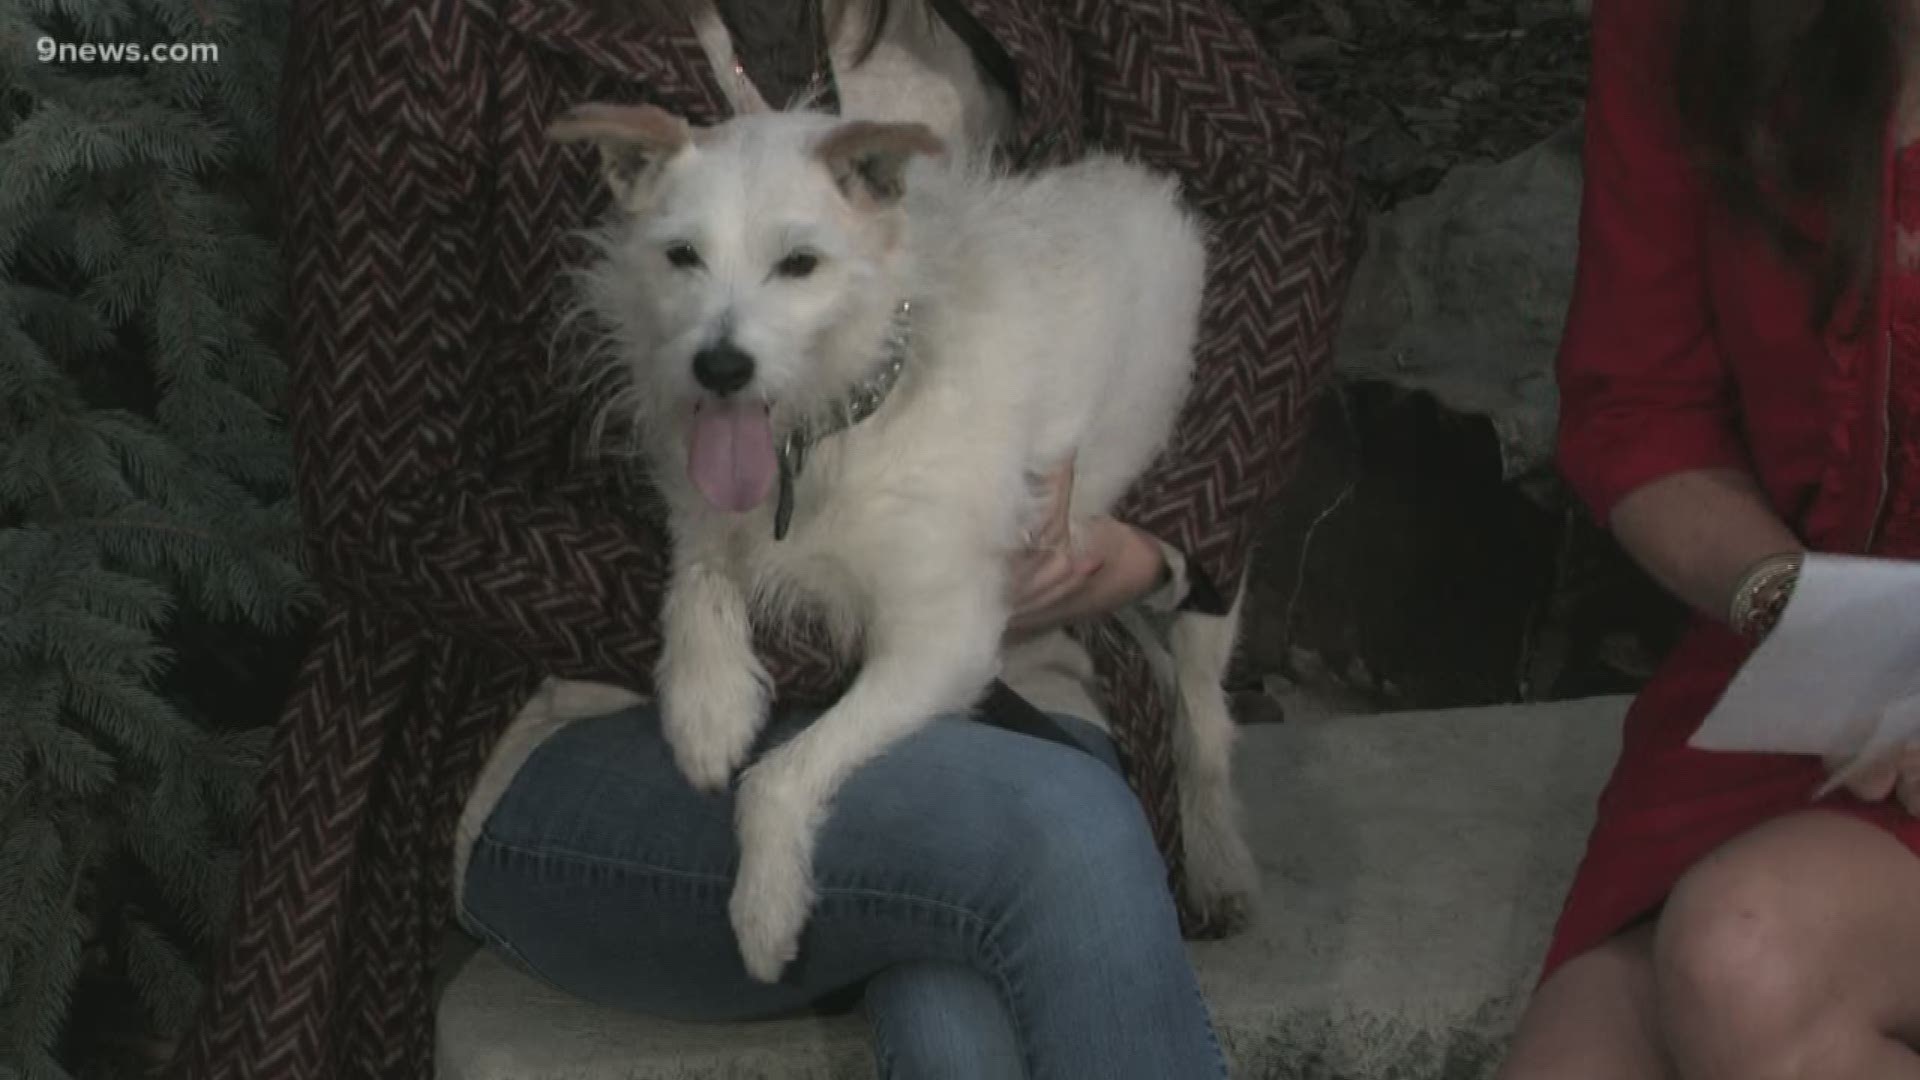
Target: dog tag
783 502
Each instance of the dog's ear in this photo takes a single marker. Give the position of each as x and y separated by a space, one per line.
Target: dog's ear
869 159
632 139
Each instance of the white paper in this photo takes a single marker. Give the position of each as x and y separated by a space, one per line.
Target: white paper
1839 676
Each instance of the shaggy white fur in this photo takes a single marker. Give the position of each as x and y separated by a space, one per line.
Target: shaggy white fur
747 283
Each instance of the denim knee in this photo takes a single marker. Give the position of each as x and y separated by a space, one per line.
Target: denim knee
1087 844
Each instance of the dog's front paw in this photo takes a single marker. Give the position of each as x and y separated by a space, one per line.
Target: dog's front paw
1222 877
774 890
711 718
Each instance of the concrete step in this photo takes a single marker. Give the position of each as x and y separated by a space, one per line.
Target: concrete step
1413 864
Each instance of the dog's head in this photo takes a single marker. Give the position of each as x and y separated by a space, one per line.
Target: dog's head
753 268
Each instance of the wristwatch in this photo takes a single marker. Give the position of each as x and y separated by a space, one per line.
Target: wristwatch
1762 595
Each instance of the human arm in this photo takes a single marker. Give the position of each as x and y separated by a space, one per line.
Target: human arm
1700 533
1649 424
1059 578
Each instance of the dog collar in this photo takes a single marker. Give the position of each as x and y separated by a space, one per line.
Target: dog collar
862 401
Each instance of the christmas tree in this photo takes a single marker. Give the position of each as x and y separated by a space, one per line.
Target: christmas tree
148 548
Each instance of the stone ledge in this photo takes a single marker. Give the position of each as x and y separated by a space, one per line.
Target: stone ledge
1414 864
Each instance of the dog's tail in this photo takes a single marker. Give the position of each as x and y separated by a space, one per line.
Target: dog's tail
1191 654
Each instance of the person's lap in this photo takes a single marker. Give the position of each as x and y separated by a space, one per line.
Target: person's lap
1791 950
599 829
603 872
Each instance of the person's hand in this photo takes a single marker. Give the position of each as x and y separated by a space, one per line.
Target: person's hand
1060 578
1895 775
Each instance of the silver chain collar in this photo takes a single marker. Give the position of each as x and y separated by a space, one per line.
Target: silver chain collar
862 401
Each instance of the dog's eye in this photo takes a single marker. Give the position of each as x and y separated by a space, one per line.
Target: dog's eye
683 255
797 264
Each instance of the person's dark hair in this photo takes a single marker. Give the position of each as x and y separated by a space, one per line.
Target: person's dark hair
1789 101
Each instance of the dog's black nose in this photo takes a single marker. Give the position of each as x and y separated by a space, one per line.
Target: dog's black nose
722 368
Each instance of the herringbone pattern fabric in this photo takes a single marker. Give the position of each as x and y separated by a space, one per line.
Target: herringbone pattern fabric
468 546
1184 87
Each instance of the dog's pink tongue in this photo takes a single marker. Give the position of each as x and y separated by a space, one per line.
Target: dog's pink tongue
730 454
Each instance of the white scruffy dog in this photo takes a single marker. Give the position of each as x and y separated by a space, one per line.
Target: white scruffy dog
836 332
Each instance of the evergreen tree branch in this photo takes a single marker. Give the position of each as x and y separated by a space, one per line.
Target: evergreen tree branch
143 502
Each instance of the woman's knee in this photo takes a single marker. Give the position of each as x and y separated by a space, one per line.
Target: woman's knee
1085 826
999 816
1087 873
1742 985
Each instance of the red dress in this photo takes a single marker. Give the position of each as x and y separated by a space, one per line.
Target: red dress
1680 358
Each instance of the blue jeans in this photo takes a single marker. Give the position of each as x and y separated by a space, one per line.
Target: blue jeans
995 901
